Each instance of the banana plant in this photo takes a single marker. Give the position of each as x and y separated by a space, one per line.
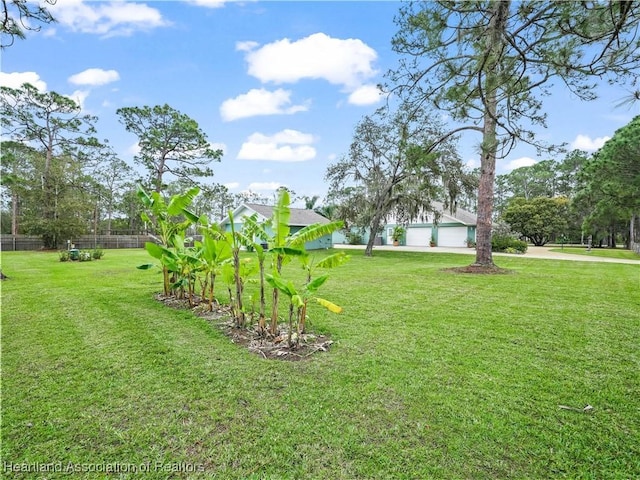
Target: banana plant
285 245
279 224
185 267
252 230
331 261
167 260
236 241
298 300
162 216
214 250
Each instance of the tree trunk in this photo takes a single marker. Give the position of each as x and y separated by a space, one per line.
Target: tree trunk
612 237
375 226
489 147
48 196
273 330
240 317
14 214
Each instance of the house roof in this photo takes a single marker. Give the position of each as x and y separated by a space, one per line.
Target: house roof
463 216
300 217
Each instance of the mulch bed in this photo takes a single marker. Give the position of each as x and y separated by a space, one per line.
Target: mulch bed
479 270
265 346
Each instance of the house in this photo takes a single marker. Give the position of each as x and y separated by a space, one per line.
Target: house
299 219
451 229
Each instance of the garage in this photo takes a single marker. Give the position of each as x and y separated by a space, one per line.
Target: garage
452 236
418 236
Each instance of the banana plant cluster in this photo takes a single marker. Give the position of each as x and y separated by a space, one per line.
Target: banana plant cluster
237 258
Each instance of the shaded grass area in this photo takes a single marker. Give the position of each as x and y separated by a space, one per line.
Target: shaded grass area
600 252
433 374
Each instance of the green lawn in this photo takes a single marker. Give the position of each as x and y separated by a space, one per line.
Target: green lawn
433 375
600 252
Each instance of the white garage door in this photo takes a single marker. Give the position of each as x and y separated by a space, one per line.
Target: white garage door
418 236
452 236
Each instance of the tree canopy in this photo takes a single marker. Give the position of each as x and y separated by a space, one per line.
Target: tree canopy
17 16
55 126
539 218
487 64
392 168
170 143
611 190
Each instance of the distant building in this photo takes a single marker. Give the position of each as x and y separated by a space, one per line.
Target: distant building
451 229
299 219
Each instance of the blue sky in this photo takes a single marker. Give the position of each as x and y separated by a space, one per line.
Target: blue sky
279 86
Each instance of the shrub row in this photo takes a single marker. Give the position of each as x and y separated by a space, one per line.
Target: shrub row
507 244
82 255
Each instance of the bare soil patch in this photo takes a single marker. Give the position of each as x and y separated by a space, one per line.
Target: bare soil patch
479 270
265 346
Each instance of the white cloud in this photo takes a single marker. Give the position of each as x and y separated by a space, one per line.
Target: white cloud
79 96
94 77
365 95
264 186
208 3
219 146
17 79
472 163
232 185
519 162
285 146
134 149
584 142
246 46
259 102
107 18
341 62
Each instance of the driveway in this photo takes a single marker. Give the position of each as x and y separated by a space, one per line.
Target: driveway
532 252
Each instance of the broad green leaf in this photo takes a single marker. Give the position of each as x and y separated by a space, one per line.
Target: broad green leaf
333 261
285 287
313 232
287 251
316 283
281 216
144 196
155 250
179 203
146 266
192 217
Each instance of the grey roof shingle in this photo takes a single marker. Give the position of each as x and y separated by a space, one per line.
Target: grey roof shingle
299 216
465 217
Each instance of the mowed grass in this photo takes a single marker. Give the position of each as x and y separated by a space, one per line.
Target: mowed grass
600 252
433 375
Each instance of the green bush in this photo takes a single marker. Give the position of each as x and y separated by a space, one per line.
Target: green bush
354 238
502 243
64 255
85 256
97 253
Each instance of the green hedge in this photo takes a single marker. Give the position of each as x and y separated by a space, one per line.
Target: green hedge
503 243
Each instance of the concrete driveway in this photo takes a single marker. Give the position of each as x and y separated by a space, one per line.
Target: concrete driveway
532 252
